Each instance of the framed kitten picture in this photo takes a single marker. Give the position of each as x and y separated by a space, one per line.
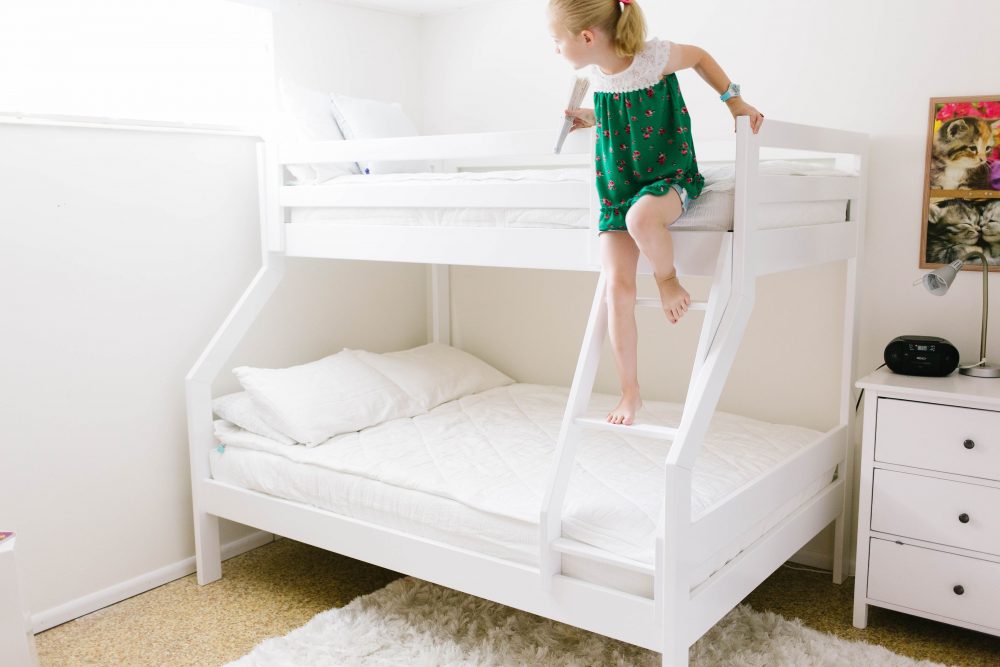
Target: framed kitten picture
962 182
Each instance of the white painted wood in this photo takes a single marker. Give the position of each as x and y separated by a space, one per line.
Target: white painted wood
439 304
809 138
932 437
635 428
864 511
775 188
16 638
925 580
749 506
910 539
929 509
612 613
718 299
955 389
550 522
724 590
561 249
677 616
672 580
936 617
574 548
201 437
791 248
272 219
844 526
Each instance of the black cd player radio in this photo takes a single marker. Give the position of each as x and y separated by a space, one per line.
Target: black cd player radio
921 355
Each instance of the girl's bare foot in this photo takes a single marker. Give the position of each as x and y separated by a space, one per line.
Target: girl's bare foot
673 296
624 412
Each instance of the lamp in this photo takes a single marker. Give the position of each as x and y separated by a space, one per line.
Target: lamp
937 283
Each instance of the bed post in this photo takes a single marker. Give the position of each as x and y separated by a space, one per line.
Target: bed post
844 525
439 303
672 594
198 383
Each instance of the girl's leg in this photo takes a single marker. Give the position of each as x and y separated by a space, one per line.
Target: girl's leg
647 222
619 257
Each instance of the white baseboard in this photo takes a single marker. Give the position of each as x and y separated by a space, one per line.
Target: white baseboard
126 589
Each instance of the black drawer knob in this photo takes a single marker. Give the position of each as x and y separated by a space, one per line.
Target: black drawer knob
969 444
963 517
959 589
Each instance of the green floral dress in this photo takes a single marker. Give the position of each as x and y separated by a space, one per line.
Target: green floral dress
643 130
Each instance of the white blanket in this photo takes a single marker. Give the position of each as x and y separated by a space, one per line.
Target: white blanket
493 452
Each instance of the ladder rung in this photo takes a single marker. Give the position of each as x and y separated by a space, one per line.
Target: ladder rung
654 302
645 430
573 548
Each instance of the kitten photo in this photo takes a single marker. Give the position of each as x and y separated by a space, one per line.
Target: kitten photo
989 222
959 154
953 230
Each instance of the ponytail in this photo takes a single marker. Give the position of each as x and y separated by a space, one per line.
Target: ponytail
630 32
622 21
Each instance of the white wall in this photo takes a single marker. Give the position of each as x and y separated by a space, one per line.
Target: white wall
121 253
854 64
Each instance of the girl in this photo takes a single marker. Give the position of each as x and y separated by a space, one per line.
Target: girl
645 161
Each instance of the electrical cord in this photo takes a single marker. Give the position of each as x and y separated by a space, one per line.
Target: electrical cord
858 404
807 569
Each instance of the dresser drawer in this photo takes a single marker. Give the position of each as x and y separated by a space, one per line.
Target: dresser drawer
963 441
965 589
936 510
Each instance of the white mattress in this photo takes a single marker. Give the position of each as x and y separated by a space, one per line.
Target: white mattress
472 473
713 210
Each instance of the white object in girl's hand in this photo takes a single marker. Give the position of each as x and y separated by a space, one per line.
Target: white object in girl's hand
575 98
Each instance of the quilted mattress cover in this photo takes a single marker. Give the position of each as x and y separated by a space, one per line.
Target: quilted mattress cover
712 211
472 473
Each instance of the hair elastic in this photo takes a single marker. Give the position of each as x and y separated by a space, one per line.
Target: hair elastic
625 2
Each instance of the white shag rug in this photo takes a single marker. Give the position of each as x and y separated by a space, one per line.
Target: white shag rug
413 623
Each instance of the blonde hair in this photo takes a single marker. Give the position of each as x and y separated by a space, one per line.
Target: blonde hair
625 24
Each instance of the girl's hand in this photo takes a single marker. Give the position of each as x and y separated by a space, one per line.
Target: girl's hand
581 118
740 108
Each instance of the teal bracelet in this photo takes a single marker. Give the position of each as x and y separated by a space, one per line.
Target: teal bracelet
732 91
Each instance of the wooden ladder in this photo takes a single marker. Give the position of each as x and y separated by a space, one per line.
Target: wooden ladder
552 543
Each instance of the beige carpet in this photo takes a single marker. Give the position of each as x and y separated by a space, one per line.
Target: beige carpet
276 588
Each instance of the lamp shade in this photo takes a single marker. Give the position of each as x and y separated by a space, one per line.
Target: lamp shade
938 281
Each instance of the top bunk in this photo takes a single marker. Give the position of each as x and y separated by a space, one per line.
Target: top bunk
791 196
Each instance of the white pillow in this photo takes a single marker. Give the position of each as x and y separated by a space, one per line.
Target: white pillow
313 402
370 119
305 115
433 374
237 408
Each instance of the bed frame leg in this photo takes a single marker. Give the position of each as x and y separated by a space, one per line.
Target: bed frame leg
839 532
207 548
675 655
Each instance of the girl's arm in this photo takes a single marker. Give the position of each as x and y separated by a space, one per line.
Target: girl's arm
683 56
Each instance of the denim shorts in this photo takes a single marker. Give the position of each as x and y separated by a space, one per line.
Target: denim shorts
683 194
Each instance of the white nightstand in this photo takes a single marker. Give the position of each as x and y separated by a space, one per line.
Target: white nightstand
929 515
17 643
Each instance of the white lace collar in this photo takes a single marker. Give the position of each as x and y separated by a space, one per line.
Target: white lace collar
645 70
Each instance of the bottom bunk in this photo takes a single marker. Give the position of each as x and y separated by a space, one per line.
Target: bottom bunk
471 473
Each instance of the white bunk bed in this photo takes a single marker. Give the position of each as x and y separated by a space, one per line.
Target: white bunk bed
677 604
